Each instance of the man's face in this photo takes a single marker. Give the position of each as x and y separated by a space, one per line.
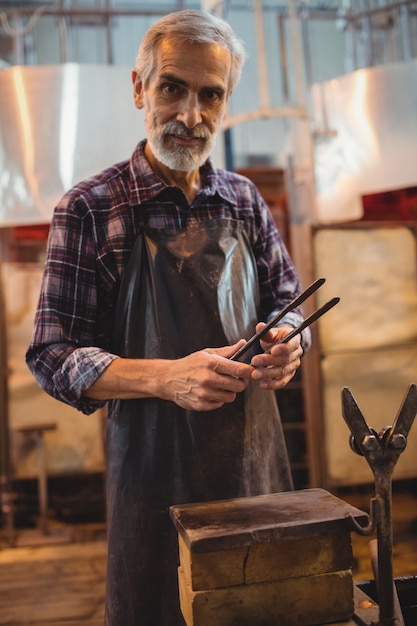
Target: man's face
184 102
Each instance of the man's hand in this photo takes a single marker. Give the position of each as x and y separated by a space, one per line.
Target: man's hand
207 379
275 370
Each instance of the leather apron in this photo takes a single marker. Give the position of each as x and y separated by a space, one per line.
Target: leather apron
182 291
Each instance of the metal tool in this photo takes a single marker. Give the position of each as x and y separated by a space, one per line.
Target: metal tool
290 307
381 450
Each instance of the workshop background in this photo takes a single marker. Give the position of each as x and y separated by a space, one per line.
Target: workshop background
324 120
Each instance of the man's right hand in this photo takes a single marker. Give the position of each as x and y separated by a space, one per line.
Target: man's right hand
207 379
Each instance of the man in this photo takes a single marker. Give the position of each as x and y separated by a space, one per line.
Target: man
156 269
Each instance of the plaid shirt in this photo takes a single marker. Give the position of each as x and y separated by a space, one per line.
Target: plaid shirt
92 234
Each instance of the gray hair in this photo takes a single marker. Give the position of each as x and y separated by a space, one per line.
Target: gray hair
191 27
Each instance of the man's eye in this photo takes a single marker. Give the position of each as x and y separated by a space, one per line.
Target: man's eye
213 96
210 94
170 88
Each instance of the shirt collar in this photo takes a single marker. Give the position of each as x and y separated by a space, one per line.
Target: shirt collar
146 185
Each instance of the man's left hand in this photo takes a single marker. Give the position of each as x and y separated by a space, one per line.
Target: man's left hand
275 370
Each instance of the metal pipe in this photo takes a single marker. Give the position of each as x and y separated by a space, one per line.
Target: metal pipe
17 39
307 55
283 59
383 493
262 114
109 40
314 13
373 552
405 32
297 50
351 57
369 43
63 40
82 12
380 9
261 54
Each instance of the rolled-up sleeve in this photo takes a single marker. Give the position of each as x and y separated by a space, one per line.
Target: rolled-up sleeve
66 379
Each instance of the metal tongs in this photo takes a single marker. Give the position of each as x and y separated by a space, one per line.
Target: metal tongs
382 451
291 306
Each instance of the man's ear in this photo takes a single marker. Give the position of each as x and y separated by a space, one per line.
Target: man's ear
137 89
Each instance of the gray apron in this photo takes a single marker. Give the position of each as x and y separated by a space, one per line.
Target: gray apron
182 291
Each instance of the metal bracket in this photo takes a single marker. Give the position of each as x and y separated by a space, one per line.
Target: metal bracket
382 451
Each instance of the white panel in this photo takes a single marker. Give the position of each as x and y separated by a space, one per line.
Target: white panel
372 114
378 380
369 341
374 273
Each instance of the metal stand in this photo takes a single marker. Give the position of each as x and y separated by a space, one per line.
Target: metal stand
36 431
381 451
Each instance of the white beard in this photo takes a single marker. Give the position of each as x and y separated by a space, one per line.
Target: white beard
173 156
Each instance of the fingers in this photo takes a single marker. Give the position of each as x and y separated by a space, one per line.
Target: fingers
275 370
274 334
227 351
207 379
274 378
223 364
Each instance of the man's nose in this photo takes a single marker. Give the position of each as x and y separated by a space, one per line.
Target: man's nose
190 114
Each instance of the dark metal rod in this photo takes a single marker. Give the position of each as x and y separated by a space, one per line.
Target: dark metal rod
373 551
308 321
385 584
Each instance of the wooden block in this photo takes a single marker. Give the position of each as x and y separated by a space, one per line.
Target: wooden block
305 601
295 558
210 570
264 562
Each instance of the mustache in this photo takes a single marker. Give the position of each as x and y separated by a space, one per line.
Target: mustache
177 128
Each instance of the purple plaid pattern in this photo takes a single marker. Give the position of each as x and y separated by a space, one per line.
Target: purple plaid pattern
92 233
